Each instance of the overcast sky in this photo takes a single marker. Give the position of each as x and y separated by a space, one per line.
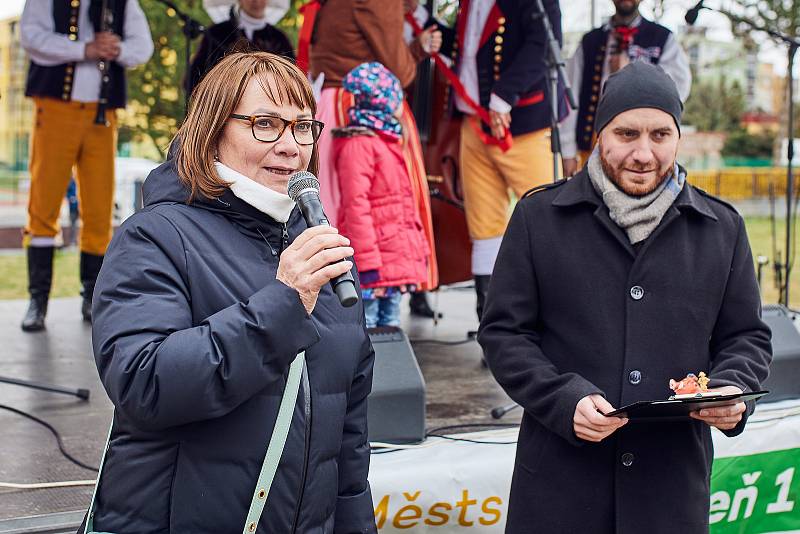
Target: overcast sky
577 18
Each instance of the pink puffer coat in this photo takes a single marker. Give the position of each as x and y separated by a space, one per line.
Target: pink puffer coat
378 211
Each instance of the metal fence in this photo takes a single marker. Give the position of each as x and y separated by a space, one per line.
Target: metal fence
741 183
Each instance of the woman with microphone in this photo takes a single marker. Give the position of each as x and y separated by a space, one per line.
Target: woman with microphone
239 381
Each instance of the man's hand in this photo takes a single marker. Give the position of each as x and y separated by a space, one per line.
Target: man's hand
570 166
500 123
106 45
722 417
590 424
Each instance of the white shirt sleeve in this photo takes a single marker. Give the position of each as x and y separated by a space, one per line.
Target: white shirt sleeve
569 146
676 65
40 40
137 43
498 104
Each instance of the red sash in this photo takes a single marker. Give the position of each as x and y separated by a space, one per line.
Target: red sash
506 142
309 12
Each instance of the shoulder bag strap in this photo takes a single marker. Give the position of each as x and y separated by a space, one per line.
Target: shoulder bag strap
276 444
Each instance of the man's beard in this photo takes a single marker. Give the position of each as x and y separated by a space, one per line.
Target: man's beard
614 174
626 11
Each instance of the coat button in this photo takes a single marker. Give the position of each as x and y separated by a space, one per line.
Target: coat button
627 459
634 377
637 292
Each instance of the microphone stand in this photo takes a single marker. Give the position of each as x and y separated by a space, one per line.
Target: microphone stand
555 69
192 29
794 44
81 393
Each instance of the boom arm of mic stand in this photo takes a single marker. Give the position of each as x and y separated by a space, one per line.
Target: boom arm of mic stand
191 27
554 52
191 30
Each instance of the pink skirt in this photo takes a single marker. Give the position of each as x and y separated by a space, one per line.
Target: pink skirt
327 112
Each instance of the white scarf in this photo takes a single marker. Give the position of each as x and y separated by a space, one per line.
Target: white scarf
251 25
277 205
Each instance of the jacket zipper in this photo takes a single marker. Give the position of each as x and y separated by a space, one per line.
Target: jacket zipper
307 408
285 238
306 412
306 401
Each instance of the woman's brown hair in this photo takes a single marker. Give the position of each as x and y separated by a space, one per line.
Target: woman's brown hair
216 97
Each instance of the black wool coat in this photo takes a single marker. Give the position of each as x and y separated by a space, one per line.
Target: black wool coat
193 337
573 310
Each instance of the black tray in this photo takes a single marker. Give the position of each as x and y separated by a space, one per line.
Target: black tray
680 407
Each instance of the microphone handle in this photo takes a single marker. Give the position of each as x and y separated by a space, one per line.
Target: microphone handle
343 285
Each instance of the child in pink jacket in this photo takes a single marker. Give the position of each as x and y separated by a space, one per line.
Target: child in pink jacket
377 211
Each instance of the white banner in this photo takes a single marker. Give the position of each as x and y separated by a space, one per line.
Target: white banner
444 486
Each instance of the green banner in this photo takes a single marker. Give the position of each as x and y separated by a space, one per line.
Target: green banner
756 493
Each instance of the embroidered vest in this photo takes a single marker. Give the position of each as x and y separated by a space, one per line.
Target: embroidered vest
56 81
647 43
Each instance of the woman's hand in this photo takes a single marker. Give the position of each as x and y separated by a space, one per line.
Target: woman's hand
312 260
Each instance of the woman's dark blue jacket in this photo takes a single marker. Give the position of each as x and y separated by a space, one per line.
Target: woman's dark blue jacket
193 337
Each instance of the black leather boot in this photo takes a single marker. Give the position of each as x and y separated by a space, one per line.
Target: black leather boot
90 267
40 277
420 307
481 288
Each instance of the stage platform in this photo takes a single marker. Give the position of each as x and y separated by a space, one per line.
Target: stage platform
459 390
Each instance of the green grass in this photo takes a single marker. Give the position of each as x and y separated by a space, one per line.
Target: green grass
14 280
14 277
759 230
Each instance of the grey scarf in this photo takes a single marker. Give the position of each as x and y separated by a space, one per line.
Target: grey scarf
638 216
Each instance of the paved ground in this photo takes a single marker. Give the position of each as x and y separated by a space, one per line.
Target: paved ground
459 390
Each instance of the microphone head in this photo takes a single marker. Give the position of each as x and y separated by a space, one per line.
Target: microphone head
301 181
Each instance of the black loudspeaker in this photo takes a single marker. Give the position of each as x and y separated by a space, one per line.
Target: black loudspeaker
784 372
396 406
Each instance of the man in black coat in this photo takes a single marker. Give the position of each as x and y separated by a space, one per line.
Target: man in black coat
605 287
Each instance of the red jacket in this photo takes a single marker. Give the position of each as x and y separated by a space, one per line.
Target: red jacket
378 211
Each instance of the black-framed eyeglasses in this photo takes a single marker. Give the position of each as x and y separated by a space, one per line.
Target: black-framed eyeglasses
269 128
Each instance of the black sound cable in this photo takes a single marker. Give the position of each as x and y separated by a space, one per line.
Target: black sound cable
440 342
433 433
52 429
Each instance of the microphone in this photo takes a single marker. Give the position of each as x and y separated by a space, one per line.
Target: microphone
304 190
691 15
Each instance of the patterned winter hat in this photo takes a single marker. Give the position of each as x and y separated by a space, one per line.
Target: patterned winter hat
377 95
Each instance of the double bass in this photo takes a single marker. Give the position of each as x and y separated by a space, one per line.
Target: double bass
439 134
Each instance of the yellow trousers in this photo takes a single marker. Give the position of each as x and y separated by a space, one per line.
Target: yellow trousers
488 173
65 136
